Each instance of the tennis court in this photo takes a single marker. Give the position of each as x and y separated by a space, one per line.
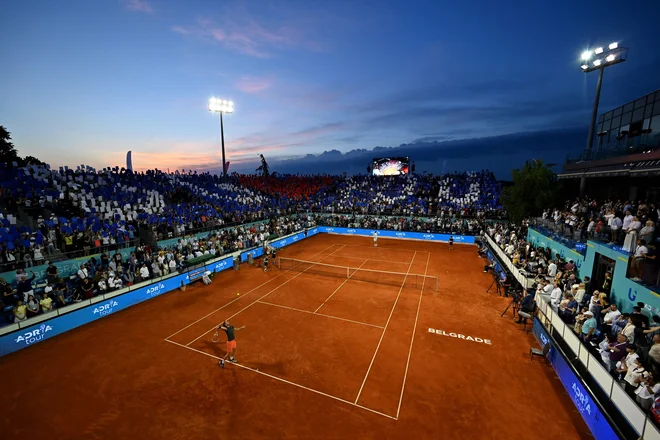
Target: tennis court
334 308
327 352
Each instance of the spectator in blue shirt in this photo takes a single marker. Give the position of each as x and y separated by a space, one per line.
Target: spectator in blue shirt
588 327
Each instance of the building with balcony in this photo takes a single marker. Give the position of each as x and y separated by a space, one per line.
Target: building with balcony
625 160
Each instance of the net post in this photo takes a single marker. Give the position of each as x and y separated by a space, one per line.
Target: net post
279 265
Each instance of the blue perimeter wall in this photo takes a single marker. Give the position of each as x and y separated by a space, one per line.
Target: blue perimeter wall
46 329
624 292
588 409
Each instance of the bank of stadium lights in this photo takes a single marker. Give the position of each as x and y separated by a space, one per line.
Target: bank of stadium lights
598 59
222 106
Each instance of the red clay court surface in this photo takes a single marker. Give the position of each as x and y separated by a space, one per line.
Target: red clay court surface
320 358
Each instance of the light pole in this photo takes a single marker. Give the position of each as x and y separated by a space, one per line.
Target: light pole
598 59
222 106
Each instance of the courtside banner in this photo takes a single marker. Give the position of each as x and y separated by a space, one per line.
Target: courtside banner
256 252
291 239
397 234
27 336
312 231
221 265
582 399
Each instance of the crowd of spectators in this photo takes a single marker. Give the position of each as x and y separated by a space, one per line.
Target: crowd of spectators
111 271
628 225
628 344
83 212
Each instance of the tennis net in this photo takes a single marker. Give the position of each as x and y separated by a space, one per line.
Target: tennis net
412 280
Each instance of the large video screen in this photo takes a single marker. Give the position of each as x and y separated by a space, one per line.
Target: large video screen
391 166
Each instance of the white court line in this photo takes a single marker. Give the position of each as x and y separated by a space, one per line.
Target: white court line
385 329
373 259
386 249
340 286
259 299
412 340
286 381
230 302
234 300
319 314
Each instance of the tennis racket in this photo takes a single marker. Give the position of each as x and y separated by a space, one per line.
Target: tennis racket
216 336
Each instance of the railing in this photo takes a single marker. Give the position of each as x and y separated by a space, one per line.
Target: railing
571 237
624 147
523 279
577 240
578 354
615 395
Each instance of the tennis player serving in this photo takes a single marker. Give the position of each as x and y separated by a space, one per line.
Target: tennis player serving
231 341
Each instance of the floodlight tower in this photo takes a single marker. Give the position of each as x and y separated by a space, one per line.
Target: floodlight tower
599 59
222 106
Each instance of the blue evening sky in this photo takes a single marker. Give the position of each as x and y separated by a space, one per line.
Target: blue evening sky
85 81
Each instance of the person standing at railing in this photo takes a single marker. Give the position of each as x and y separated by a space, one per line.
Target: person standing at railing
632 231
647 389
638 261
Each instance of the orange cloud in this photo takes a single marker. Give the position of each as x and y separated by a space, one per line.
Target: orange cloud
249 84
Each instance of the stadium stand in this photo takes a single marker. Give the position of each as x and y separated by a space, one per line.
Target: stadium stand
112 221
627 226
627 344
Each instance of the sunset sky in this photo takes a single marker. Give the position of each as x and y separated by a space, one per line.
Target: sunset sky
83 82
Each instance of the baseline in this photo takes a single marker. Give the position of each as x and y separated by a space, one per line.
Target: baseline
287 381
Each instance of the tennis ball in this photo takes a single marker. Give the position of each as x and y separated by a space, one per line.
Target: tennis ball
237 294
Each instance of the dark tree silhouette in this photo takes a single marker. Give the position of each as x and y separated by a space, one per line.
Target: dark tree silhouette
8 153
263 168
534 189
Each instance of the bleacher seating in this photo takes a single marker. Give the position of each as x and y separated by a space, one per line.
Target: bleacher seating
55 215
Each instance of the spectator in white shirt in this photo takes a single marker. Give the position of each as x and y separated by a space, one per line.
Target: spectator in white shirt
611 314
144 272
555 295
646 391
637 263
82 272
552 269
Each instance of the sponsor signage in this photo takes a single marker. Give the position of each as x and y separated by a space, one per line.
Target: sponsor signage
398 234
24 337
221 265
460 336
106 308
582 399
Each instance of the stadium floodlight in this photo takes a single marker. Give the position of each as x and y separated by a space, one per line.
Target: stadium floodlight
222 106
605 58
